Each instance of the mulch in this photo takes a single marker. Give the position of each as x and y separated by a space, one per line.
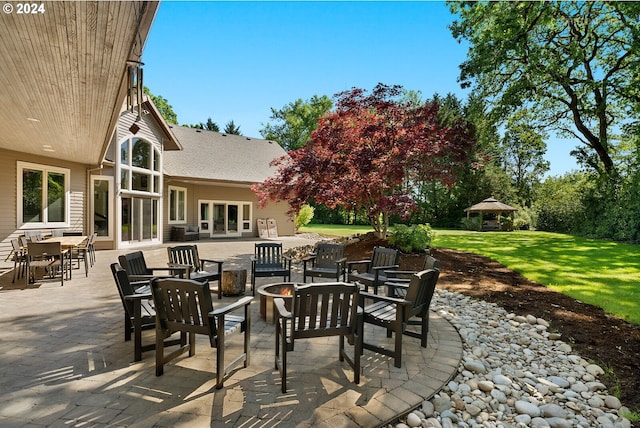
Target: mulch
608 341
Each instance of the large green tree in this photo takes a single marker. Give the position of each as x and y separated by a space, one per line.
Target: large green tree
573 64
166 110
293 124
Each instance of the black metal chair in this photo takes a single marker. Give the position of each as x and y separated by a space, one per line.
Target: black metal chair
185 305
197 269
373 274
394 313
327 261
268 260
320 310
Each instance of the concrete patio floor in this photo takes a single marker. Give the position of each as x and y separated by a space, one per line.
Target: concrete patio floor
64 363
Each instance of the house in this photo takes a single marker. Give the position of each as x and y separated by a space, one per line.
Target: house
213 173
81 149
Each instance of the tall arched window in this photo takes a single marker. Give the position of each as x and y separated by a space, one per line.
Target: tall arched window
140 190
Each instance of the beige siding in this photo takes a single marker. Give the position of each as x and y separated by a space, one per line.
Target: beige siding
149 130
8 189
198 192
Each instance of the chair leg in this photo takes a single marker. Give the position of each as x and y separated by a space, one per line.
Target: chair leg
398 345
424 330
220 359
159 350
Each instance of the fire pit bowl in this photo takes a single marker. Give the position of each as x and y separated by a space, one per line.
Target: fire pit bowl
268 293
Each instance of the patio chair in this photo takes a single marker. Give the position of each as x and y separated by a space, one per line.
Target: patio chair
404 276
83 252
268 260
47 255
373 275
319 310
327 261
394 314
18 256
187 256
184 305
139 313
139 273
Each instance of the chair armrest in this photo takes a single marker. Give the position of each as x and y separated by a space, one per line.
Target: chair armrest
245 301
379 298
358 262
282 310
137 296
379 268
396 273
205 261
310 256
182 270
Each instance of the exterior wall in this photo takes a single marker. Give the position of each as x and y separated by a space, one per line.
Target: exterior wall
229 193
8 189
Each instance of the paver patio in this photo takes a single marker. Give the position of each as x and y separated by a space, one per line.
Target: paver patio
64 362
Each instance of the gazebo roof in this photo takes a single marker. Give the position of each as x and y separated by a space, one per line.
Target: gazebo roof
491 205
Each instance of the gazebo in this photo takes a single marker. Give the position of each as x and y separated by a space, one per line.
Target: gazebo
493 210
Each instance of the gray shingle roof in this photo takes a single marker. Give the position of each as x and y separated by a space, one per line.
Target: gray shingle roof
224 157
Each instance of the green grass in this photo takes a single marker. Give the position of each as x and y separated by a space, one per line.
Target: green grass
604 274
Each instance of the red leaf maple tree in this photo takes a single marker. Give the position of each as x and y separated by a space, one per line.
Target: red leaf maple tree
366 153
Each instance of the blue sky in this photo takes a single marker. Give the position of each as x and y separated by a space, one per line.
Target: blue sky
236 60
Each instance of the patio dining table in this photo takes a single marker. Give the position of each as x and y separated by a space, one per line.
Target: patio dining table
68 244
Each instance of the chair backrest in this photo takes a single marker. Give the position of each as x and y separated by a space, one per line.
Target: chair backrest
23 241
134 263
324 309
15 244
383 257
44 249
184 255
430 262
268 255
183 305
122 283
420 292
327 254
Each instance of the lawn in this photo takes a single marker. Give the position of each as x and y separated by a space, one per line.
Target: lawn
602 273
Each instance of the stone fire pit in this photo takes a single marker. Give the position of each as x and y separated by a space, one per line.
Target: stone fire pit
268 293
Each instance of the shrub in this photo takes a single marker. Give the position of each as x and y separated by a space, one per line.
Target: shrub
411 239
471 223
304 216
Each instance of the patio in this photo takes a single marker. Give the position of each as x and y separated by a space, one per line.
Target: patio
65 363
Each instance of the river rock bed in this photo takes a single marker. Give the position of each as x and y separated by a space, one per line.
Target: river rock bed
514 373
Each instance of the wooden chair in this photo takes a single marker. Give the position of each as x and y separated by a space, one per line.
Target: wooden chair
47 255
327 261
404 276
184 305
83 252
373 274
394 314
320 310
139 313
187 256
18 256
136 267
268 260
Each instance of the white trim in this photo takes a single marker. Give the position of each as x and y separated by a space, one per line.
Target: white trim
111 209
45 169
239 204
184 218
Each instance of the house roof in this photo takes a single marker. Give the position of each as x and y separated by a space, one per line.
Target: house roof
63 73
208 155
490 205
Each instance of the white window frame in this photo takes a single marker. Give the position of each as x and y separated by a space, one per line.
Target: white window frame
111 213
153 175
178 220
45 169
